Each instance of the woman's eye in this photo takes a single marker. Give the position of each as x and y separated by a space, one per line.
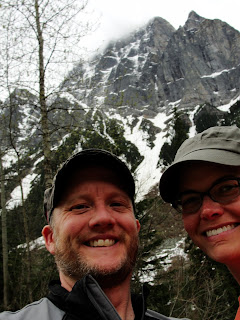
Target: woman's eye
226 188
189 200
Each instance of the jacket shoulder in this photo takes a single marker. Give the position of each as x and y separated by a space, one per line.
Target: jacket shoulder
38 310
150 314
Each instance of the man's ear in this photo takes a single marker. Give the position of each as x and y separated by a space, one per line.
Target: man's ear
138 225
47 233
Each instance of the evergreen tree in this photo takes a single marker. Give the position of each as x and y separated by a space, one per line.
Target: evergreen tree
180 133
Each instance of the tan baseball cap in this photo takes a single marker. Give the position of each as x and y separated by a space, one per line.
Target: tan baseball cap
217 144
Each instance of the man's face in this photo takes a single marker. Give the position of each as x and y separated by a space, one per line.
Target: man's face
94 228
214 227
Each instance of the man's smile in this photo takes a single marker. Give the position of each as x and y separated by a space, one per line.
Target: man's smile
102 243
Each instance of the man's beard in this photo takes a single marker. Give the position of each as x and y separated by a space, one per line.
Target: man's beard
72 264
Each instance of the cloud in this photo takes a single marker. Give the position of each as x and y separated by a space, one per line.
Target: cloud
121 17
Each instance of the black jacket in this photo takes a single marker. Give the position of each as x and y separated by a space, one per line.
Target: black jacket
86 301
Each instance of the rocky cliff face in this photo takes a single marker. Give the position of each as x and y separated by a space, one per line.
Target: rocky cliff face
200 64
158 67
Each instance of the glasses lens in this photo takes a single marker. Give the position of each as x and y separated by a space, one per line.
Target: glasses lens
225 191
189 202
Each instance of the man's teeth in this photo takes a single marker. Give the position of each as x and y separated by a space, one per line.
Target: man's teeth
102 243
215 232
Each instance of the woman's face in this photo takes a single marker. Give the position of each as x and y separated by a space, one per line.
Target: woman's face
214 227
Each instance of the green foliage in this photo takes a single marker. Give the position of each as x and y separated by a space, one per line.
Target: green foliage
207 290
42 271
147 212
34 208
207 116
180 128
112 140
123 146
148 127
233 117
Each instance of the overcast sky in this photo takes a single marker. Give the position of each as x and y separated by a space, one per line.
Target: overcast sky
118 17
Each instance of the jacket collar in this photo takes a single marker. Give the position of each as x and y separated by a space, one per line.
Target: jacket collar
87 300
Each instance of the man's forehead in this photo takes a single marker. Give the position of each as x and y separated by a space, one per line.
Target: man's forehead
81 182
94 172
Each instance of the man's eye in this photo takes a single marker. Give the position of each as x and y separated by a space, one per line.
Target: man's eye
116 204
119 205
79 207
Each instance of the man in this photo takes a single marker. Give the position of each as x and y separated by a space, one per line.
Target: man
203 183
93 234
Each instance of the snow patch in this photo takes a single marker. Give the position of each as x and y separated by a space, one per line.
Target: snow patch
16 197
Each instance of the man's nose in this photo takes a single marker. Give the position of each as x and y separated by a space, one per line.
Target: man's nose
101 217
210 209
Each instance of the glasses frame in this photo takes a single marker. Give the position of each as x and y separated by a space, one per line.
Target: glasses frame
175 204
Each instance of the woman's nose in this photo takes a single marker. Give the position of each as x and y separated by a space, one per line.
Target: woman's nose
210 209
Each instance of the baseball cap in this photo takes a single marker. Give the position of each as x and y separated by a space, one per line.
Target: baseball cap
219 145
81 160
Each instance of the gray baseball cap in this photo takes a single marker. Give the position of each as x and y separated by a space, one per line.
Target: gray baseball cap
84 159
217 144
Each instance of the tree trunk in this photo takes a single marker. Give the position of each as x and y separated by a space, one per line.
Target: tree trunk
4 237
26 230
43 106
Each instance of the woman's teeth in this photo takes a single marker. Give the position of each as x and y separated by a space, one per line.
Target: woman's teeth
215 232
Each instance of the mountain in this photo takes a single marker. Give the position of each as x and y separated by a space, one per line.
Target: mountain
158 67
138 84
140 81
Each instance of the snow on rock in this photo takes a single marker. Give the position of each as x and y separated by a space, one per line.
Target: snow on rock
226 107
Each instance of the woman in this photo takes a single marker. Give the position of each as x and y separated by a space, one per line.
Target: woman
203 183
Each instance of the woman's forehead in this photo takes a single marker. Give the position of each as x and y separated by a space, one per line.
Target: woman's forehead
202 173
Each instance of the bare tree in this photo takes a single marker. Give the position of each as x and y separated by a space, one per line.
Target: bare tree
39 45
9 138
44 45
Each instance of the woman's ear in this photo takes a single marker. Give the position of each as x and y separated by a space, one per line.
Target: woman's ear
47 233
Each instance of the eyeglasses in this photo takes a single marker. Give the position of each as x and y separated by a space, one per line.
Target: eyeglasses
223 191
